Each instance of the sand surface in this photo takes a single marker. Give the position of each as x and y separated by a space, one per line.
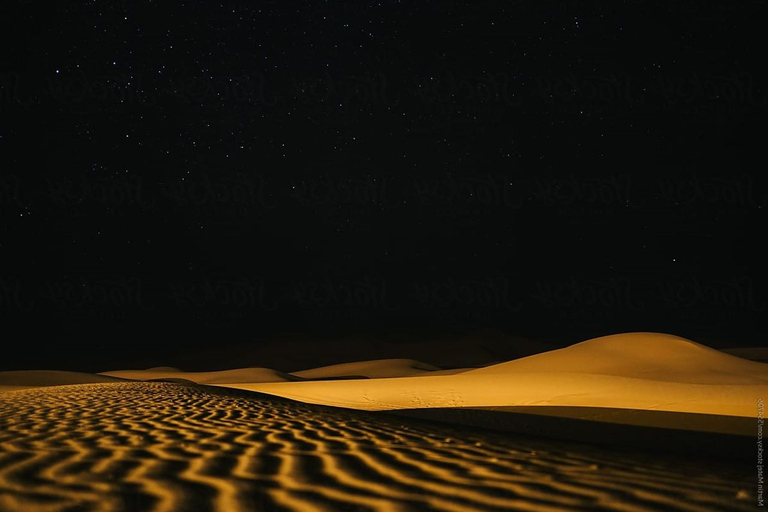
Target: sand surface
631 372
156 446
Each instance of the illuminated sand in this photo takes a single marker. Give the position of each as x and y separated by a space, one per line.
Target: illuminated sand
156 446
634 372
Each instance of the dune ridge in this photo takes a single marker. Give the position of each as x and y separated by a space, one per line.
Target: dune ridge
654 356
212 377
376 369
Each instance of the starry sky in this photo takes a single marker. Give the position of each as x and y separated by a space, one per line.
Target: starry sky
176 176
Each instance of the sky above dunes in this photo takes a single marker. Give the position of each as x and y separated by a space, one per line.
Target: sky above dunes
214 177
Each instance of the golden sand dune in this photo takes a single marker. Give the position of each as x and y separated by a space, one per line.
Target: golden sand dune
215 377
164 447
633 372
382 368
22 379
652 356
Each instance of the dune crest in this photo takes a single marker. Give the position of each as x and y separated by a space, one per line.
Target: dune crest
642 355
213 377
376 369
163 369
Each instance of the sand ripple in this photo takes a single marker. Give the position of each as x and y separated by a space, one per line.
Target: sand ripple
156 447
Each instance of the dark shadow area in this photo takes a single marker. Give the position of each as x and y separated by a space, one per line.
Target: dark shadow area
689 441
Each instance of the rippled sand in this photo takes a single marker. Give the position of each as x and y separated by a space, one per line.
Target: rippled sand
157 446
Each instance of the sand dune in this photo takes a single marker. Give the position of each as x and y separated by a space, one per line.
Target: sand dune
387 368
121 441
216 377
633 372
22 379
384 368
164 447
653 356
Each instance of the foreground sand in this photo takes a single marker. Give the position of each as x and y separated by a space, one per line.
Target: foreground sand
155 446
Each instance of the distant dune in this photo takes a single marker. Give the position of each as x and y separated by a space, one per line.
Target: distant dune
163 369
239 375
22 379
384 368
652 356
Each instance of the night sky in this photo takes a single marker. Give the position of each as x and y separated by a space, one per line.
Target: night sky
176 177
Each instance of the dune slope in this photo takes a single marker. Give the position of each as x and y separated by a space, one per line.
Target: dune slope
634 371
652 356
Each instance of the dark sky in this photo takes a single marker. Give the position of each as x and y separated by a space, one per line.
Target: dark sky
214 173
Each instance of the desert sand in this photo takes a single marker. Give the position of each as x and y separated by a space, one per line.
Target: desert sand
630 422
633 371
159 447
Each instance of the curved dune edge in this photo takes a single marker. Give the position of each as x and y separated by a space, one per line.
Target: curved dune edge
211 377
538 390
642 355
380 368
